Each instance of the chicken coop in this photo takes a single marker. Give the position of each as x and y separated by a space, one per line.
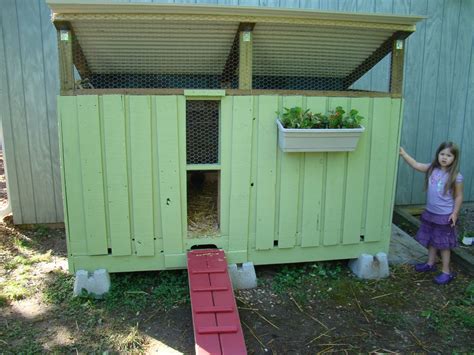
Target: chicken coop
169 140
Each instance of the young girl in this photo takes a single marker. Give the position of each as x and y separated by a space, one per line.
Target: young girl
444 185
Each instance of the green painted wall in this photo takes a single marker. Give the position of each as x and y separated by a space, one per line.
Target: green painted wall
124 177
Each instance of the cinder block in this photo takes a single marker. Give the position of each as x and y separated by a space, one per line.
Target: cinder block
370 267
243 277
96 284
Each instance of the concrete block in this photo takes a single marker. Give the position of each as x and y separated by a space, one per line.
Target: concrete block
370 267
97 283
243 277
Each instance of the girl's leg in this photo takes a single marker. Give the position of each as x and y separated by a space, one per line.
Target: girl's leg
432 255
446 258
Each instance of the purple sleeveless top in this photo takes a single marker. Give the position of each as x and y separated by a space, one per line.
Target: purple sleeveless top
436 201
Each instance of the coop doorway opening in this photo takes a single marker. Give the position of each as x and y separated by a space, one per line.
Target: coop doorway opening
203 203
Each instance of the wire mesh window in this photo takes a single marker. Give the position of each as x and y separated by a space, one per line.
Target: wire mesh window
205 55
164 55
202 132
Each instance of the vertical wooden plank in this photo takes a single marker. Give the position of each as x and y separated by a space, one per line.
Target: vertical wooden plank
367 6
310 4
92 174
72 167
391 161
377 169
462 61
313 186
141 176
242 117
51 84
116 173
467 168
268 3
17 117
335 188
181 109
396 66
444 91
412 89
356 167
7 135
35 109
245 59
227 104
425 103
381 71
266 172
169 174
289 189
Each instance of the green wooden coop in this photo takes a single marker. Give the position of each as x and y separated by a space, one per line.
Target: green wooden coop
169 139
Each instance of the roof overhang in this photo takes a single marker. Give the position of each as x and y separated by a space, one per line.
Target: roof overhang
161 38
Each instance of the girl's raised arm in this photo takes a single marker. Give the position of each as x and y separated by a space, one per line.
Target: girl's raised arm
412 162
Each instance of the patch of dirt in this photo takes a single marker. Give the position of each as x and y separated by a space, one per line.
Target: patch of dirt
296 309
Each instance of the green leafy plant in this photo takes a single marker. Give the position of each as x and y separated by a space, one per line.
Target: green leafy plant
297 117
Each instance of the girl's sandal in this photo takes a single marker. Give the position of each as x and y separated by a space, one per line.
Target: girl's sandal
443 278
424 267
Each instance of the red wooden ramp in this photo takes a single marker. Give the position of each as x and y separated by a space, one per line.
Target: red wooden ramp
216 321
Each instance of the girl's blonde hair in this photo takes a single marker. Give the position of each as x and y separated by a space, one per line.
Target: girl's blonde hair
453 169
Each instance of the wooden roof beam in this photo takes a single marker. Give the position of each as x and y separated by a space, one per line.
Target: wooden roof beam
79 58
384 49
232 62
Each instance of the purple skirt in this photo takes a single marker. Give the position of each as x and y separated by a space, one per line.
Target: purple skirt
436 230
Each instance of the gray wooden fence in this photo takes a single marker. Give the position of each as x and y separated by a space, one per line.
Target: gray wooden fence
438 90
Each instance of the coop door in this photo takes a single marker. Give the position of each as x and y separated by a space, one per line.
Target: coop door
203 169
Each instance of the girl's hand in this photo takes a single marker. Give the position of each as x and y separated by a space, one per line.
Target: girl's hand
402 152
453 219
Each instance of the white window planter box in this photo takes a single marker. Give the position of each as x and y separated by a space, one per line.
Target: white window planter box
318 140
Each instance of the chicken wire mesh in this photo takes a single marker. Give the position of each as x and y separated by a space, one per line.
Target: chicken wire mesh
197 55
202 132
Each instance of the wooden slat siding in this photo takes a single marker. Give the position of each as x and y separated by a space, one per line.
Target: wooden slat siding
116 174
368 122
367 6
355 180
7 134
313 186
63 189
242 118
181 147
380 150
51 85
425 109
35 109
226 118
92 174
141 176
309 4
253 175
381 71
17 118
461 72
443 105
72 167
266 172
289 189
335 186
169 174
391 168
444 108
468 137
412 90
